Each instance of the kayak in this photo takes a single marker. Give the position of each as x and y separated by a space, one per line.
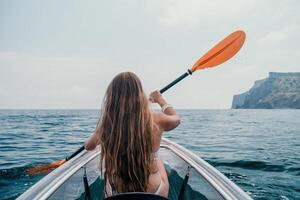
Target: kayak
190 177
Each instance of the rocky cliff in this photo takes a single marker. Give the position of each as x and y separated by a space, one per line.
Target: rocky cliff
279 90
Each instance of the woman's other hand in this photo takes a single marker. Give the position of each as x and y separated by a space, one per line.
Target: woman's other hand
92 142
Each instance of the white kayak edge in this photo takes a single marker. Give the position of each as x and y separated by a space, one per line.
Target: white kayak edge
44 188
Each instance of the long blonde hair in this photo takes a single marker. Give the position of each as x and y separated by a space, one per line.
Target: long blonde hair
125 128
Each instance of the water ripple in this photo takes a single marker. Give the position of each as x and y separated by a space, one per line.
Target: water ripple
257 149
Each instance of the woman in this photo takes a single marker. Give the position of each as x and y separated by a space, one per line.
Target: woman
129 136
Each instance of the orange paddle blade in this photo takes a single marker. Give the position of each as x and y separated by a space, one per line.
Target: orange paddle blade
45 168
223 51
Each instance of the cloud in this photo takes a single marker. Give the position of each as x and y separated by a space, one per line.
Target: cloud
58 58
30 81
174 12
282 34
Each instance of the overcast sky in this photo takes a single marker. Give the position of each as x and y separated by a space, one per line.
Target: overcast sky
62 54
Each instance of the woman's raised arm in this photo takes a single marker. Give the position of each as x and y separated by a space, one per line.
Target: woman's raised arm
168 119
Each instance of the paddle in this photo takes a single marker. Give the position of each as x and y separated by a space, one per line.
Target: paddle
220 53
46 168
217 55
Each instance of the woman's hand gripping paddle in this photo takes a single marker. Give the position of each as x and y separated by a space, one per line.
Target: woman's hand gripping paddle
220 53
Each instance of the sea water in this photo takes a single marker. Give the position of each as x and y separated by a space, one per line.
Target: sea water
259 150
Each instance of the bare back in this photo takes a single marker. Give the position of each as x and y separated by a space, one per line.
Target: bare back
159 178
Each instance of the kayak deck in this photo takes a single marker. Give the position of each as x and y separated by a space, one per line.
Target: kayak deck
205 182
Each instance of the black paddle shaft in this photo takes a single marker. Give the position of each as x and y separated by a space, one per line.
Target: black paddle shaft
75 153
189 72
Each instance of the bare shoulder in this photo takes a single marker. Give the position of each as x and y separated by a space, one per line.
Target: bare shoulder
157 119
157 116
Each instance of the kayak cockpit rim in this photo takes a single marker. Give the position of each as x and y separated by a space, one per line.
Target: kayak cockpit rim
226 188
50 183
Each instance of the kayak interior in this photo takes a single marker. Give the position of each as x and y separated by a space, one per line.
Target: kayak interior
204 182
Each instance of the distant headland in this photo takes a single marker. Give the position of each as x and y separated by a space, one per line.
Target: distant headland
279 90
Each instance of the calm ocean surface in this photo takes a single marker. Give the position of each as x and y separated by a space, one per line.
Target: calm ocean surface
258 149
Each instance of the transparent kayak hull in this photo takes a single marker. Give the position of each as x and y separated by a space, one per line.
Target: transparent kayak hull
205 182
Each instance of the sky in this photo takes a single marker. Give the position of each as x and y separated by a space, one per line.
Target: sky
63 54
